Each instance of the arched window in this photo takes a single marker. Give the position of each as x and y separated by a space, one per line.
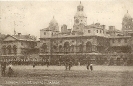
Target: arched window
15 49
4 50
66 47
44 47
54 48
81 48
9 49
88 47
60 48
72 48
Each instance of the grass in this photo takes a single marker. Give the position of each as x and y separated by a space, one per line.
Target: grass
45 77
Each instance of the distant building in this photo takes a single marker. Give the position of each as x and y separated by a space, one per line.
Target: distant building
18 47
127 24
2 36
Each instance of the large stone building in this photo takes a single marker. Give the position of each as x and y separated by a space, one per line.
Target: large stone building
86 42
18 48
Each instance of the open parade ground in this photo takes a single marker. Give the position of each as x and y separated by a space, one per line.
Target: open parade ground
77 76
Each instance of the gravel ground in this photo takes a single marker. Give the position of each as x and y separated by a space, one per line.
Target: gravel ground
78 76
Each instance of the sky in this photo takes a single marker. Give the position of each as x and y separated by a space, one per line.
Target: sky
29 17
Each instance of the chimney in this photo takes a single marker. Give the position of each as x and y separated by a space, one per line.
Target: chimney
103 26
19 34
97 24
111 28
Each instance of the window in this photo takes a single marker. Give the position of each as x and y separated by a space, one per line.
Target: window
21 43
44 33
113 41
125 40
97 31
35 44
88 31
100 31
119 40
61 41
129 26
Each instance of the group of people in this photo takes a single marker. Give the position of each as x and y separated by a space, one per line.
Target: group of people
68 65
4 67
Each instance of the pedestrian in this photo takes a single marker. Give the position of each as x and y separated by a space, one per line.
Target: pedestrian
33 65
91 67
10 70
78 63
66 65
70 65
47 62
88 64
3 68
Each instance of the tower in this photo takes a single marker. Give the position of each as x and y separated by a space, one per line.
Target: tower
127 23
80 19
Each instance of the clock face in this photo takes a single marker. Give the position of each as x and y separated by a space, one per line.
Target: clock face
77 20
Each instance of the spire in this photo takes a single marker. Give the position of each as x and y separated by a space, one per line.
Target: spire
80 2
14 29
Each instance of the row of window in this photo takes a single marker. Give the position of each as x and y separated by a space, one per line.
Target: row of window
67 48
29 43
98 31
119 40
127 27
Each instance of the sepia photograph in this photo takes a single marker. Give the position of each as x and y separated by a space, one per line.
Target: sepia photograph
66 43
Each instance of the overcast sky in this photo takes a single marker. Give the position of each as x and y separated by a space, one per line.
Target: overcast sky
31 16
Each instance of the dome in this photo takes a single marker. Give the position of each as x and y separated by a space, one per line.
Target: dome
80 14
53 25
53 22
127 15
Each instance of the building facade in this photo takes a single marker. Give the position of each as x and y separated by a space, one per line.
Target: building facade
85 42
18 48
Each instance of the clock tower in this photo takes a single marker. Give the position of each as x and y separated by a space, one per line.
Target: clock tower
80 19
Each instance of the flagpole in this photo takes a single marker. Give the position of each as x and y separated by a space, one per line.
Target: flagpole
14 28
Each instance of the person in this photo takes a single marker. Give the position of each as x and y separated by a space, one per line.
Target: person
47 62
70 65
33 65
66 65
3 68
91 67
88 64
78 63
10 70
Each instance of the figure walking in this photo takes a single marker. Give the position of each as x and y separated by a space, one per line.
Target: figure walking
66 65
91 67
33 65
70 65
47 62
3 68
88 64
10 70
